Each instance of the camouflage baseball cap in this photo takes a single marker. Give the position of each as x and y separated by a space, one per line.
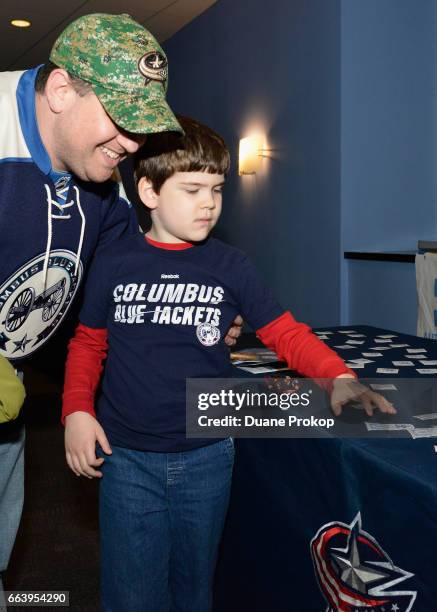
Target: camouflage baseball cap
125 66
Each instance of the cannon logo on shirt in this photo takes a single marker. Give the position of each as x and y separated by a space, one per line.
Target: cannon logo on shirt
171 304
355 574
30 312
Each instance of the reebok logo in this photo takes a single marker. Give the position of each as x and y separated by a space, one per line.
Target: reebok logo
169 275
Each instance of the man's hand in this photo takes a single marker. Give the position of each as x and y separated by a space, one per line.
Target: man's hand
82 431
347 389
234 331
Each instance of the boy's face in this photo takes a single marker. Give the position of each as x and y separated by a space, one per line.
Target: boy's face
187 207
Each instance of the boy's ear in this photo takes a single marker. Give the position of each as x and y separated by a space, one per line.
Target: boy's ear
147 194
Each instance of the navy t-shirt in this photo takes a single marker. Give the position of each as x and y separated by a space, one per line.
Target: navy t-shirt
167 313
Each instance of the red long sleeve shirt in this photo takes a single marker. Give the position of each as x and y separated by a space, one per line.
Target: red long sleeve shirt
292 341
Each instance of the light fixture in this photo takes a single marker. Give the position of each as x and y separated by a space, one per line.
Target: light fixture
20 23
250 154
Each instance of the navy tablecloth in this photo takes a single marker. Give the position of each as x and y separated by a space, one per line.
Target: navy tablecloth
348 524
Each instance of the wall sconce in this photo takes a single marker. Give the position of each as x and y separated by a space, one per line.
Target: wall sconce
250 154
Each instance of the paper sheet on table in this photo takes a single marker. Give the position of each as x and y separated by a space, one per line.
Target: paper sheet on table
254 355
422 432
360 360
261 369
379 348
389 426
383 387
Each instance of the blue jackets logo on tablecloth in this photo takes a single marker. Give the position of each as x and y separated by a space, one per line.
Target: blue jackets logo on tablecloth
31 307
354 573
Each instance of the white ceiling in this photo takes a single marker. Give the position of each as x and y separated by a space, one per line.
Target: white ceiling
25 47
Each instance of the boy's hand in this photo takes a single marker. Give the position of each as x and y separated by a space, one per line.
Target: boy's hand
346 388
82 431
234 331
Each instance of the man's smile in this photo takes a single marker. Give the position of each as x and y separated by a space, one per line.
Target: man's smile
110 153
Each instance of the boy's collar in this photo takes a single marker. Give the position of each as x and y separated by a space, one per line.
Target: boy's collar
169 246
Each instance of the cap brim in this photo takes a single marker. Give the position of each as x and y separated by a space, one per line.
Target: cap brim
139 115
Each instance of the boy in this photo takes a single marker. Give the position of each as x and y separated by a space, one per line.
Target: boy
162 303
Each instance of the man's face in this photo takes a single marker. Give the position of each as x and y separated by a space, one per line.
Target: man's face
187 207
88 143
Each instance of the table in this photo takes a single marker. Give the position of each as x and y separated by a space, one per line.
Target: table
313 522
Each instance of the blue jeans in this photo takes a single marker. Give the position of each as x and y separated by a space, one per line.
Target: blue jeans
11 496
161 519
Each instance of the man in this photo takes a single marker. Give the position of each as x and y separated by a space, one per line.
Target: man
65 127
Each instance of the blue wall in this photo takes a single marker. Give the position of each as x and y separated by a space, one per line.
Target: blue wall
388 152
345 92
383 294
275 67
388 131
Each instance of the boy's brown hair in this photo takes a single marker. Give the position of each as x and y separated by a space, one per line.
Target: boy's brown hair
200 149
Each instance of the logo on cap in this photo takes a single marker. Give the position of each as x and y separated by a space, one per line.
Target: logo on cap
154 67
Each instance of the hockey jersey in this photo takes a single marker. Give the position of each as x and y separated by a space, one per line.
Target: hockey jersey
51 225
